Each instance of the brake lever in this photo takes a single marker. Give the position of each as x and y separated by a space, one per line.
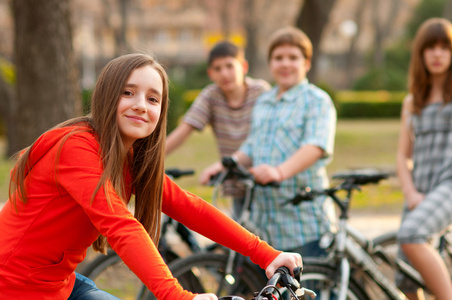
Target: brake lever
304 195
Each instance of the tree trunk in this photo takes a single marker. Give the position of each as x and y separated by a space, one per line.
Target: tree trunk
448 10
352 53
251 49
383 25
47 84
7 102
312 19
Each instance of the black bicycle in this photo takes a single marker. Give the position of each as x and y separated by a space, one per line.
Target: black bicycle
223 271
281 280
111 274
356 268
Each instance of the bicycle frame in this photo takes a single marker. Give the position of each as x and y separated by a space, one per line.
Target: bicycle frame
249 186
350 245
245 178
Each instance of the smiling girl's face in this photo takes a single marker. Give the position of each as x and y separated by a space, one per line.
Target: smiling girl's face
140 105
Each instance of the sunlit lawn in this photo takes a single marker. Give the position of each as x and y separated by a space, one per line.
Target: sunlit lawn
359 144
5 167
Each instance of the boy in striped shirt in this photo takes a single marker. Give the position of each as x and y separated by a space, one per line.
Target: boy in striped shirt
226 105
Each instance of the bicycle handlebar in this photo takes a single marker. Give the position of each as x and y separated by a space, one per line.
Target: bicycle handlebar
234 170
282 278
351 180
177 173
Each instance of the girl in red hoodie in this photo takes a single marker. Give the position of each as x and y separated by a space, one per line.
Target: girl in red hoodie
71 187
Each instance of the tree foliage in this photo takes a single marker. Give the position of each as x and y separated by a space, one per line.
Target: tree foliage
391 74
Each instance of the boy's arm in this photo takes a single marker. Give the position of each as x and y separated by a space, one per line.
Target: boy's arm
217 167
317 143
178 136
305 157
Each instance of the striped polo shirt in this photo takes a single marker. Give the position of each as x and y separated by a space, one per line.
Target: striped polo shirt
230 125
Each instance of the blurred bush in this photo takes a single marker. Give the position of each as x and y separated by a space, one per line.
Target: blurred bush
86 101
387 78
350 104
177 106
8 75
369 104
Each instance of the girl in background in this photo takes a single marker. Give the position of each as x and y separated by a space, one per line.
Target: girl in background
424 157
71 187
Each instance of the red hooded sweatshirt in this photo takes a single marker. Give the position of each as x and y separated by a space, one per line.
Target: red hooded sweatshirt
42 243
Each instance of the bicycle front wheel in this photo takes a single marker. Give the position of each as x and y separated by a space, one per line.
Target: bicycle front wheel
322 279
113 276
206 273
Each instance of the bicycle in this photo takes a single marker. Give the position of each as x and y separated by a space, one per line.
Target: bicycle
442 243
284 280
111 274
352 268
223 272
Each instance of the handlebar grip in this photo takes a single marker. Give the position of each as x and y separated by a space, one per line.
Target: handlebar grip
176 173
228 162
305 194
274 184
213 179
282 276
282 270
274 280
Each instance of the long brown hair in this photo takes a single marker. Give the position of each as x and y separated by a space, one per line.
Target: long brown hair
431 32
147 157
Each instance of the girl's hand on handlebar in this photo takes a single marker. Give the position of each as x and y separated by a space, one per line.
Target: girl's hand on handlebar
287 259
205 297
209 172
264 174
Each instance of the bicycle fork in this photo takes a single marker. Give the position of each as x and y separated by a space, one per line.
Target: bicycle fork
360 256
344 263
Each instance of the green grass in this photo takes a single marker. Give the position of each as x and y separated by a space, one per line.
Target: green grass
359 144
5 167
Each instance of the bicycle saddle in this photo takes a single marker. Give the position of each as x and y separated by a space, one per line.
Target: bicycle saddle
362 176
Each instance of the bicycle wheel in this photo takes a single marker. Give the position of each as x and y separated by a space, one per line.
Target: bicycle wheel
113 276
389 242
322 279
205 273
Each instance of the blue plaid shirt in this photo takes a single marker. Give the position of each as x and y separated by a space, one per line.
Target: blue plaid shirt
305 115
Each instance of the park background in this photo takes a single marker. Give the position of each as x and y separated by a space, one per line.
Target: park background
51 52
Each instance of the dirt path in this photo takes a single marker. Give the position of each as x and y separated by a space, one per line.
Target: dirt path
374 224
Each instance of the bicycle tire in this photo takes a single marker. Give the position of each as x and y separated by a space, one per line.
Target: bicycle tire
112 275
322 279
205 273
389 242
